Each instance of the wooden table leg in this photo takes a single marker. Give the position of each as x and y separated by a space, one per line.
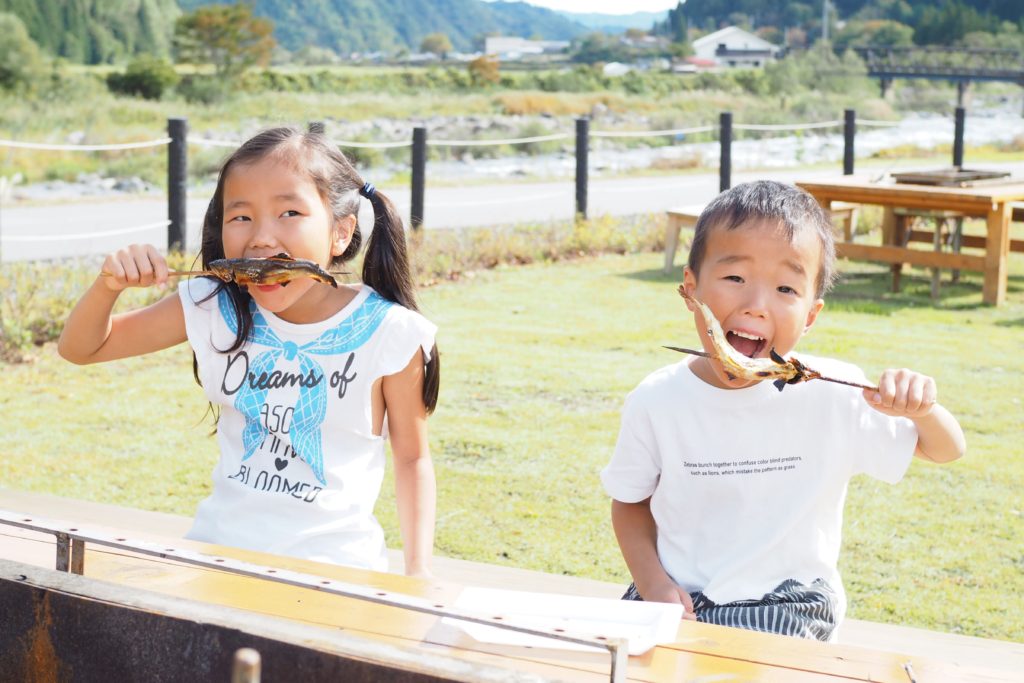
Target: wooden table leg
940 224
997 247
891 229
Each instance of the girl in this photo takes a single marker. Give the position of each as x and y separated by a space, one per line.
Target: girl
308 380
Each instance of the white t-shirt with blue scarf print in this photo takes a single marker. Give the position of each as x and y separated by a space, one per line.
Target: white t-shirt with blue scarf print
300 468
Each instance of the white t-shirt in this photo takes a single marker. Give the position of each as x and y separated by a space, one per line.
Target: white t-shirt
747 485
300 468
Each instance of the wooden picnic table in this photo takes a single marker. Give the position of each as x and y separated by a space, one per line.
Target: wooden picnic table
699 651
991 201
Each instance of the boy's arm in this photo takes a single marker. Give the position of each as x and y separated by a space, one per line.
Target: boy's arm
415 486
904 393
939 436
638 539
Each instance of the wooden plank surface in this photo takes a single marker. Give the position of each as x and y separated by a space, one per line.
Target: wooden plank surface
974 201
967 241
699 650
917 257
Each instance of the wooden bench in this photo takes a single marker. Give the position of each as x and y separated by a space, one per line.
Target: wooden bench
946 231
843 213
678 218
965 651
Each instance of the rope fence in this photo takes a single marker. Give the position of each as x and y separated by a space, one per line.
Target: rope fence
649 133
85 236
207 142
872 122
783 126
178 141
84 148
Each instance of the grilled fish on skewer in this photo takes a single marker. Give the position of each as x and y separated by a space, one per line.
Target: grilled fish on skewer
737 366
280 269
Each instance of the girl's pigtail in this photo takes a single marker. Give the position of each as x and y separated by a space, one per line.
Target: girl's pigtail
386 268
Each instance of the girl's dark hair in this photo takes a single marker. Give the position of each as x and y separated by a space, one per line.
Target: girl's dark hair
386 262
767 200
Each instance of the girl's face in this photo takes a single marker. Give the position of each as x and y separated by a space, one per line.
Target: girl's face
761 287
271 207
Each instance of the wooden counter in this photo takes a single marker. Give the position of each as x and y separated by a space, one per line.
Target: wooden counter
699 650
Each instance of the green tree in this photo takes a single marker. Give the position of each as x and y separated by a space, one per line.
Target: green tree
676 29
145 76
598 47
484 70
227 36
21 62
436 43
950 22
874 32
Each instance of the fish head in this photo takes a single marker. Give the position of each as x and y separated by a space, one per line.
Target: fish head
222 269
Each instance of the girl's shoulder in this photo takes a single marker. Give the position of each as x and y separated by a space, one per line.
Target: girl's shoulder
197 291
402 332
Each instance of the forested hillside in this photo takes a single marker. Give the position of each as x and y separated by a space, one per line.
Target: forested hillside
105 31
347 26
97 31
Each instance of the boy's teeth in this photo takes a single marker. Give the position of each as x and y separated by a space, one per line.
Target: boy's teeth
747 336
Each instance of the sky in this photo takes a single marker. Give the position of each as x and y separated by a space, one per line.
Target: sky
606 6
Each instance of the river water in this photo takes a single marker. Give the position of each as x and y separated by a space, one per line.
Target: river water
770 150
990 123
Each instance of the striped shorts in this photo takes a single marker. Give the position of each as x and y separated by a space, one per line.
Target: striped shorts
792 609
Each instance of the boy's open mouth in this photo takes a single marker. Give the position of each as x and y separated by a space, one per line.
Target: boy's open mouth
748 344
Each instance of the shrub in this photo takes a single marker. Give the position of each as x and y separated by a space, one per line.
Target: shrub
202 89
34 304
485 70
146 76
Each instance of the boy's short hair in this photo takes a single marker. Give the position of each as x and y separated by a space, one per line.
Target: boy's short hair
767 200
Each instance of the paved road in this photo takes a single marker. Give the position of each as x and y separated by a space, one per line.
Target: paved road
97 227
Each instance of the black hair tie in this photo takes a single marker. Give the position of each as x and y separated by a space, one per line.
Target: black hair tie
368 191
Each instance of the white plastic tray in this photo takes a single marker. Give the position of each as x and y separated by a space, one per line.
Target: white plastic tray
644 624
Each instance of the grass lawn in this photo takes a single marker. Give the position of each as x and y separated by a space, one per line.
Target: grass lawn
537 360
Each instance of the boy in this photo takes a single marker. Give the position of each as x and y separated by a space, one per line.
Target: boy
727 494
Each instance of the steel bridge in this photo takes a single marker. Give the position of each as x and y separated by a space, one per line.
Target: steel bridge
962 66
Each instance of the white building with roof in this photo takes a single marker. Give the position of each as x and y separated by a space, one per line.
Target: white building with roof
734 47
511 47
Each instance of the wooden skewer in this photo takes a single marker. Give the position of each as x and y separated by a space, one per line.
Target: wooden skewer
171 273
843 381
705 354
187 273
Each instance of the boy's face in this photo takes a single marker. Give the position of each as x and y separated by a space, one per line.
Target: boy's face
762 288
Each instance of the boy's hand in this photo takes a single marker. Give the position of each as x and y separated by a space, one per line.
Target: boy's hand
671 593
139 265
903 393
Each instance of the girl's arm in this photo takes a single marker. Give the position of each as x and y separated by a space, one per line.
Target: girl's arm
415 488
91 334
637 534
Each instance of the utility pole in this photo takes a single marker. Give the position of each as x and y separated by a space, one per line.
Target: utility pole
824 21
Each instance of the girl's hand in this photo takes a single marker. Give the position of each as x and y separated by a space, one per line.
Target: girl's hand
419 572
903 393
139 265
671 593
